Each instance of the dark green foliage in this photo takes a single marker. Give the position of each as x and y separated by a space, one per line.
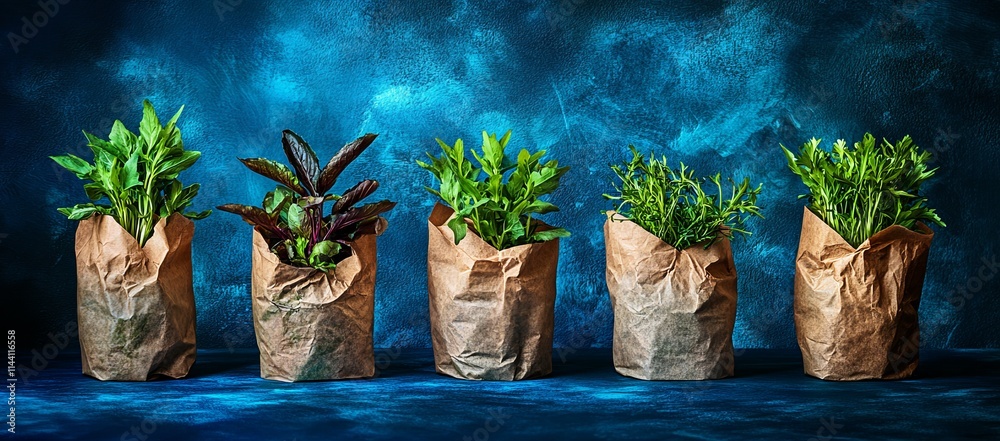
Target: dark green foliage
137 174
862 190
672 205
292 217
500 210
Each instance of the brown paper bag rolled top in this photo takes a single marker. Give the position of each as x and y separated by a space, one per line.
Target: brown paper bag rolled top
492 311
674 309
135 306
856 309
315 325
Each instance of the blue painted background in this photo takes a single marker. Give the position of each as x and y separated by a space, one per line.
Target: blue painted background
716 84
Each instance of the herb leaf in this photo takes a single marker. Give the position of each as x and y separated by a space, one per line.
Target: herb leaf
672 205
303 159
136 174
292 219
862 190
346 155
275 171
78 166
355 194
257 217
499 207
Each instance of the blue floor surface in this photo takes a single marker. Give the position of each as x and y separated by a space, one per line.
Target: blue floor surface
956 394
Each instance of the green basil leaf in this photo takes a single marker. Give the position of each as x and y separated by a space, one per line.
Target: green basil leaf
459 227
172 167
197 215
325 250
81 168
149 127
80 211
542 236
297 220
95 191
130 177
495 203
540 207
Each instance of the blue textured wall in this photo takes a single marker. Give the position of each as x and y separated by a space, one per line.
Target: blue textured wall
716 84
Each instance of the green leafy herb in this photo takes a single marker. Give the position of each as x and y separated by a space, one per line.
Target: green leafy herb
292 218
499 210
862 190
672 205
137 174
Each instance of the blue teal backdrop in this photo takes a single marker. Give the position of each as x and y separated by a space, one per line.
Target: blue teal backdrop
716 84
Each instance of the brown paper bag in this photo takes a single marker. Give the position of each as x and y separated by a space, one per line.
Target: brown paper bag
674 309
491 311
856 309
135 306
315 325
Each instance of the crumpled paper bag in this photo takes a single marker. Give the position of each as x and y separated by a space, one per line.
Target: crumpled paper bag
856 309
492 311
674 309
315 325
135 306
